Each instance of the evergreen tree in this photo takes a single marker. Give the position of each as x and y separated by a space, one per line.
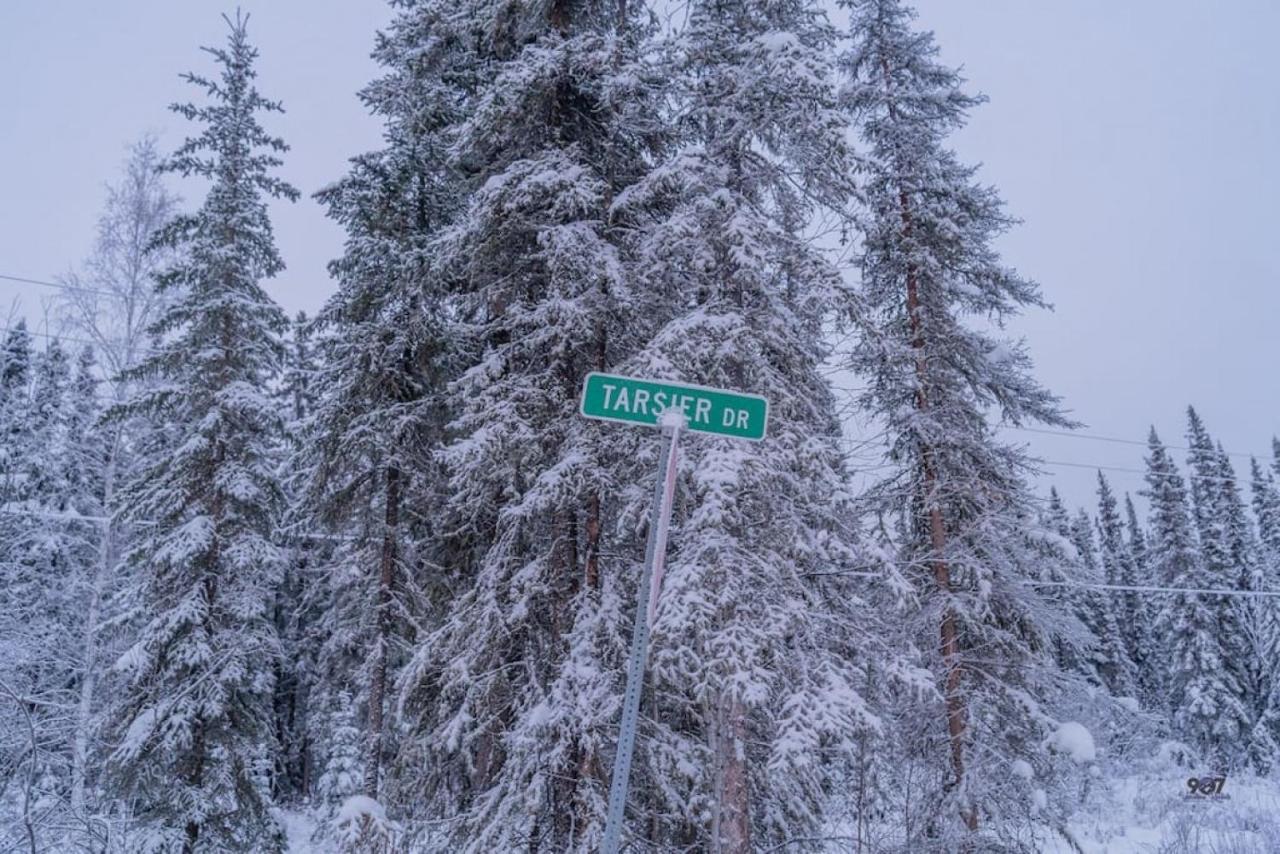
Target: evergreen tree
1150 656
1120 567
1108 657
1059 564
1226 551
1203 695
295 607
15 403
38 575
368 454
932 376
194 724
514 695
1265 620
760 646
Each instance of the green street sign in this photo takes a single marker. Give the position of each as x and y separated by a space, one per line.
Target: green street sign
706 410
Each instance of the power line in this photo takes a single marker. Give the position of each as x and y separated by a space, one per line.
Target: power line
1121 588
1067 464
1172 474
73 340
61 287
1200 591
76 517
1115 440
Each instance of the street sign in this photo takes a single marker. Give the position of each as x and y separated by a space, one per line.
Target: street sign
673 407
706 410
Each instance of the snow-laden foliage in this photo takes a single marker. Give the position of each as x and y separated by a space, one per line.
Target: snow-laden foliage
932 289
366 460
513 697
761 645
1203 695
1132 641
192 725
367 579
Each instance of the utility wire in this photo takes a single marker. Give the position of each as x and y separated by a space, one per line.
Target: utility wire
1122 588
1067 464
61 339
76 517
1188 476
1115 440
61 287
1130 588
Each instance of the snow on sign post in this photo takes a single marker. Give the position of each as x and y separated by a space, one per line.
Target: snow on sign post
672 407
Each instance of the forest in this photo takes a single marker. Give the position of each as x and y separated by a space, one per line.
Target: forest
366 581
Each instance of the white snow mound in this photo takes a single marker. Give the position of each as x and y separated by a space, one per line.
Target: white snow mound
1074 740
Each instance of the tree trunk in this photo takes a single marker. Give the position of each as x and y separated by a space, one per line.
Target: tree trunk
956 712
378 684
732 828
953 697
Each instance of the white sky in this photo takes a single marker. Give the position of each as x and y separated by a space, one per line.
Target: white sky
1137 141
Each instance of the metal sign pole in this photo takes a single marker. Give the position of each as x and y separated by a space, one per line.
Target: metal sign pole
650 583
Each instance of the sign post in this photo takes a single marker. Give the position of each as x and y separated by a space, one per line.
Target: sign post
673 407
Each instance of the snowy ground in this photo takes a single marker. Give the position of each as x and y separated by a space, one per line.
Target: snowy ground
299 827
1152 813
1148 812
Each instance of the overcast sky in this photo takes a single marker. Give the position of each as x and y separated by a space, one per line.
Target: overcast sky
1137 141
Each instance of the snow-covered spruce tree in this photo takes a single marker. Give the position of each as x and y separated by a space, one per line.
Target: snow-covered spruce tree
1256 615
928 265
298 605
515 695
15 402
1203 695
1059 563
1120 567
38 573
760 646
193 726
1150 656
1266 511
1109 659
383 340
1225 540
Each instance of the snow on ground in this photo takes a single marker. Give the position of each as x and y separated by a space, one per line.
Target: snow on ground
1148 811
299 827
1153 812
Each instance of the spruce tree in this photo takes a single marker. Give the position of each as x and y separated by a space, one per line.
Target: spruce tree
761 647
1059 564
1201 689
38 575
1264 620
1149 656
1226 551
368 455
932 284
193 726
1107 655
15 403
514 695
1119 567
